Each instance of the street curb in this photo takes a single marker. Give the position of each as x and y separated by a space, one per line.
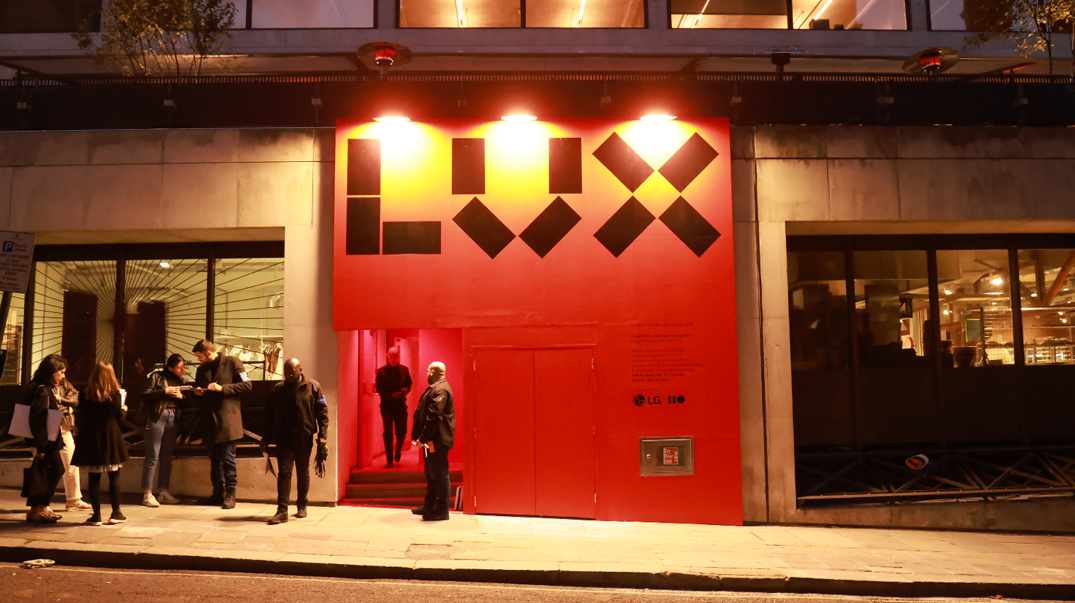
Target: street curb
575 578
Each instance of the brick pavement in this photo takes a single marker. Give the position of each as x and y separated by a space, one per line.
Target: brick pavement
392 543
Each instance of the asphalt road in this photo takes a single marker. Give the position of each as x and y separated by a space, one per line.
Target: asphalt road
88 585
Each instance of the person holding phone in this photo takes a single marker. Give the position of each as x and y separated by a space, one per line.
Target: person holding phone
221 380
163 392
99 446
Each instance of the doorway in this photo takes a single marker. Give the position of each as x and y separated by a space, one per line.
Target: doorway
535 432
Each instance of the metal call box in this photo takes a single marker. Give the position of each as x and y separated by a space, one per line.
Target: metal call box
666 456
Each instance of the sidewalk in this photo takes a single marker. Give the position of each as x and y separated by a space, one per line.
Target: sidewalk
393 544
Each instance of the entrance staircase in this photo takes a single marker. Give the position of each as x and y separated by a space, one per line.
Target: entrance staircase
392 488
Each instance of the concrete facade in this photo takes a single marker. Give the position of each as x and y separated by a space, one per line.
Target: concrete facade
866 180
190 186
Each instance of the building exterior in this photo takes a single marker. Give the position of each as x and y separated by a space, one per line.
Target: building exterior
865 225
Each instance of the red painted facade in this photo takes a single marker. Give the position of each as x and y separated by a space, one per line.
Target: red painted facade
599 311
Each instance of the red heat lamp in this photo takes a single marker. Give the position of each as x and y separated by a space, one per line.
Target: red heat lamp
931 61
382 55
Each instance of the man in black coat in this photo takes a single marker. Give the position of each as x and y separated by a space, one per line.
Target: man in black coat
393 383
434 429
221 380
295 411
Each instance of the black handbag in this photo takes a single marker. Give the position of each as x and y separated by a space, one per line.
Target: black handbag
35 479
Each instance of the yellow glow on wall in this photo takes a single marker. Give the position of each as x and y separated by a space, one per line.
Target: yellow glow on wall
656 141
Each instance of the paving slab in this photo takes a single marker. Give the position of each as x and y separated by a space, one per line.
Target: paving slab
387 543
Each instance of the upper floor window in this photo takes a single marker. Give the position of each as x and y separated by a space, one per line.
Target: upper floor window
522 13
48 16
789 14
299 14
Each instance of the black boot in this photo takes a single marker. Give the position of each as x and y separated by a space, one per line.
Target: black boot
436 515
301 513
229 499
280 517
214 500
419 510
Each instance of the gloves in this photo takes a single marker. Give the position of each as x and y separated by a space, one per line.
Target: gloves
319 461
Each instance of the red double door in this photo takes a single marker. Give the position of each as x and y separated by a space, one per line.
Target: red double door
534 438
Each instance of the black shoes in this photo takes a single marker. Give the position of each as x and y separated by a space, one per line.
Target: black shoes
441 516
419 510
116 517
399 454
388 465
229 499
280 517
301 513
214 500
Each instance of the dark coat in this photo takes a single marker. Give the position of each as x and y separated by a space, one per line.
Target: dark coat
221 411
301 411
154 400
393 383
100 439
42 398
434 419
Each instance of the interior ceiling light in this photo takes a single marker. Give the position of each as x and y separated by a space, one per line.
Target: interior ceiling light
391 118
582 11
698 19
460 14
165 265
998 281
823 9
947 291
658 117
518 117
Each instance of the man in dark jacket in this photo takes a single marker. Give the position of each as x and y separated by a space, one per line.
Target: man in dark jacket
393 383
221 380
434 429
295 411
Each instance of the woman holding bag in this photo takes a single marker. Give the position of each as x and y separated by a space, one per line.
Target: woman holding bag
99 446
47 467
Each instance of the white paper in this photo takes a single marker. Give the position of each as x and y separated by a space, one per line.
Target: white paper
20 422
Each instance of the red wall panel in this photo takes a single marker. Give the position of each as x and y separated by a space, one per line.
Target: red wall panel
503 433
629 261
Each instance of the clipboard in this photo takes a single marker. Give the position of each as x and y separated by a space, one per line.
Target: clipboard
20 422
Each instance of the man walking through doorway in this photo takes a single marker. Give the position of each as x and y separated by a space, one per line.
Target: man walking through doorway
434 429
221 380
393 384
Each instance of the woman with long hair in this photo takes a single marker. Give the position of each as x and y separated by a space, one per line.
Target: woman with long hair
99 446
41 396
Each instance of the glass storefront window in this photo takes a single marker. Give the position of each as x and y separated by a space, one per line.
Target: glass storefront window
249 314
892 308
165 302
74 307
459 13
849 14
1047 293
817 301
13 342
292 14
729 14
975 303
585 13
966 15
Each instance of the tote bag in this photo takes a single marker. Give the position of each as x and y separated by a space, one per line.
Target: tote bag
20 422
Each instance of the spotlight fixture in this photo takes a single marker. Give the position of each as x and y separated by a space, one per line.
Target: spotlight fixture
383 55
658 117
998 281
391 119
931 61
165 265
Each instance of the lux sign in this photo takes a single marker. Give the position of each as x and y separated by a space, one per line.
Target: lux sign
364 227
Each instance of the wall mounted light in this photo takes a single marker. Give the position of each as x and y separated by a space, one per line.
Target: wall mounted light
391 119
518 117
658 117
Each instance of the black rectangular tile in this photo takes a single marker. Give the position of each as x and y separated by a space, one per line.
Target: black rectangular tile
565 166
411 238
468 166
364 166
364 226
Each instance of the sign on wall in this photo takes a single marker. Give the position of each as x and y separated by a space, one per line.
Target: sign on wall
16 260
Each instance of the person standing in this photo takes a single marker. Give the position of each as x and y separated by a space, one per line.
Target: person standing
393 384
41 398
162 428
434 429
296 411
67 396
221 380
99 445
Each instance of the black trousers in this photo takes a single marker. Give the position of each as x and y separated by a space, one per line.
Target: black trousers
394 415
292 453
438 481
